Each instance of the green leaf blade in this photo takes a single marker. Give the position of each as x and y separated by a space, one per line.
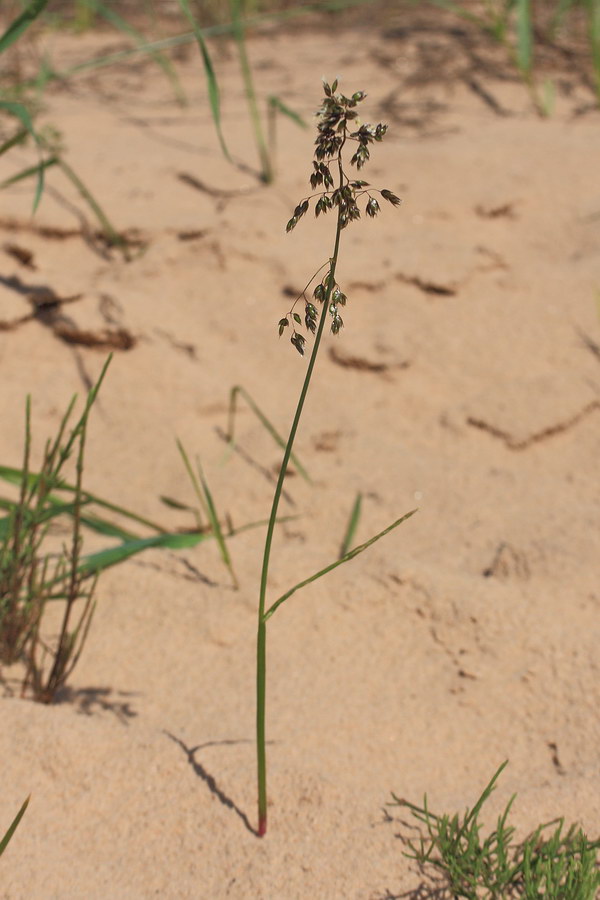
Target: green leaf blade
352 525
13 826
19 25
211 78
104 559
348 556
524 37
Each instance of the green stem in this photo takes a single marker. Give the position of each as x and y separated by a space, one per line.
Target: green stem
261 643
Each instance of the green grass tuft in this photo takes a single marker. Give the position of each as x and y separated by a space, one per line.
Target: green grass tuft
550 864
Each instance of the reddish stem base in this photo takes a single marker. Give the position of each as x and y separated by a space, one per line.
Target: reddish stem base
262 826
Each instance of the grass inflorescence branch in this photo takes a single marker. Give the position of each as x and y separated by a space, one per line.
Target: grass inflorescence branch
337 121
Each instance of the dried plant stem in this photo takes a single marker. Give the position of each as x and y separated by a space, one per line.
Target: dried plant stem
261 645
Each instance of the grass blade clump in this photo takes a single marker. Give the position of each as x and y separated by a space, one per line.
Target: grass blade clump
518 27
42 581
30 578
338 129
550 863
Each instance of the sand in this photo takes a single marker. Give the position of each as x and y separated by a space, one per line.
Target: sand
466 383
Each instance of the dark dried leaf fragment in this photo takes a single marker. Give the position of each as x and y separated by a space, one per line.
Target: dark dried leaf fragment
105 339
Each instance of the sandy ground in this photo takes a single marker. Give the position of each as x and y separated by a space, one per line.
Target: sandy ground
465 383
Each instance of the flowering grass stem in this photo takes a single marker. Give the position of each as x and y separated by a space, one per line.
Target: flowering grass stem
336 120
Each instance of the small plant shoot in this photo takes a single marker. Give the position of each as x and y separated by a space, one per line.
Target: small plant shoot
552 862
340 134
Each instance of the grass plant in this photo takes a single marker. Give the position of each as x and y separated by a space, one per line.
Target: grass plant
338 129
31 579
37 577
550 863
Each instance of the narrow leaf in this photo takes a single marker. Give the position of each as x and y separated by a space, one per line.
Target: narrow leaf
16 139
111 234
103 559
216 526
18 110
524 36
172 503
195 483
350 555
13 826
211 79
21 23
278 104
15 476
352 525
28 172
238 389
